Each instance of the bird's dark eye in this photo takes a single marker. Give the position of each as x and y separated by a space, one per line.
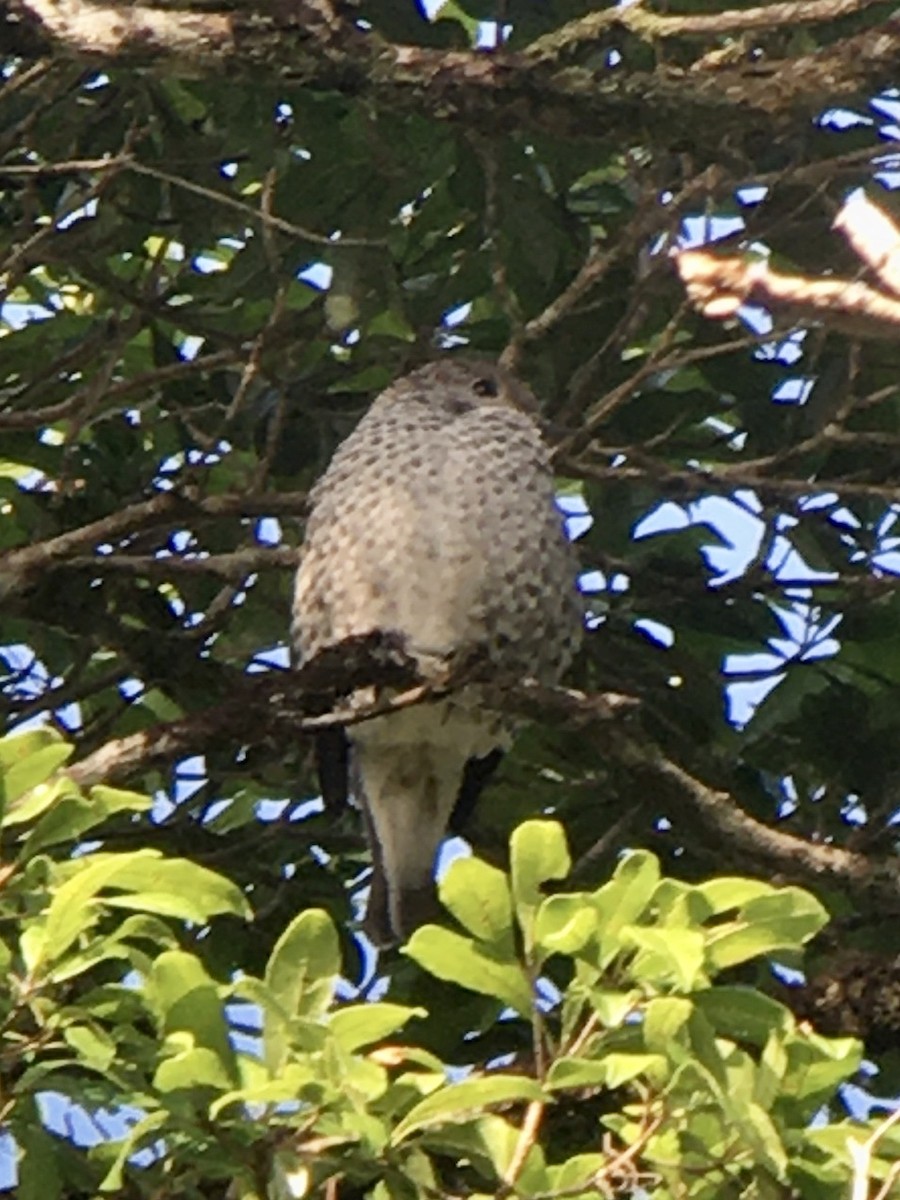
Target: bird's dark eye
485 387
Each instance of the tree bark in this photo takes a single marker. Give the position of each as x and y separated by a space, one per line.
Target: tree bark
307 44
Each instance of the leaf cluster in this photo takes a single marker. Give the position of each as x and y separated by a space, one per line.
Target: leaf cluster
281 1084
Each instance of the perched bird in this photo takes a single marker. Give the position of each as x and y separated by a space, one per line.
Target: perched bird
435 523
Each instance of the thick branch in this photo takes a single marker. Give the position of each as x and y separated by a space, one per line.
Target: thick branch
719 286
20 567
307 701
297 45
874 236
591 28
873 883
283 705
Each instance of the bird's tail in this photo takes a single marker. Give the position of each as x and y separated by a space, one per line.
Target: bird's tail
407 794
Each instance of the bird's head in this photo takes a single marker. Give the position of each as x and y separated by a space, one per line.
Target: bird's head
462 384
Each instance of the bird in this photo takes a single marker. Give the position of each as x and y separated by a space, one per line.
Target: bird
436 525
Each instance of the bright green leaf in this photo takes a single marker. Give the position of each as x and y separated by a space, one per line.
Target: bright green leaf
782 920
457 959
539 853
565 923
461 1101
624 899
187 1002
673 956
478 896
197 1067
304 964
361 1025
611 1070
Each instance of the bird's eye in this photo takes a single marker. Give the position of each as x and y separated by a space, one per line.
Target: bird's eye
485 387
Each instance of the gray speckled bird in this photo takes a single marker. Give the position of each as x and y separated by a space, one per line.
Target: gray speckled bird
436 522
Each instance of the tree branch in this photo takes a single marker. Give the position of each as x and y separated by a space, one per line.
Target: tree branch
284 704
870 882
36 418
719 286
589 29
234 566
300 45
722 479
20 567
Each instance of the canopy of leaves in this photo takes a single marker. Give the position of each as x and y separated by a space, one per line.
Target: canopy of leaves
223 231
269 1084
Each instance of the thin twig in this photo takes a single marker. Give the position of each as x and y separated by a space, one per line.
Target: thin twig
254 215
861 1156
234 566
531 1125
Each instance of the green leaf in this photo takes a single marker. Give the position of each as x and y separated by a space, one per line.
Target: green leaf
295 1082
73 911
147 1128
579 1170
194 1067
304 965
36 802
611 1070
450 10
760 1131
666 1021
72 813
361 1025
565 923
613 1007
362 1078
74 964
110 800
625 899
392 323
14 470
744 1014
93 1046
490 1143
782 920
538 853
458 959
667 956
478 896
817 1065
175 887
181 888
729 892
462 1101
28 759
289 1177
711 1054
187 1002
300 979
38 1166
